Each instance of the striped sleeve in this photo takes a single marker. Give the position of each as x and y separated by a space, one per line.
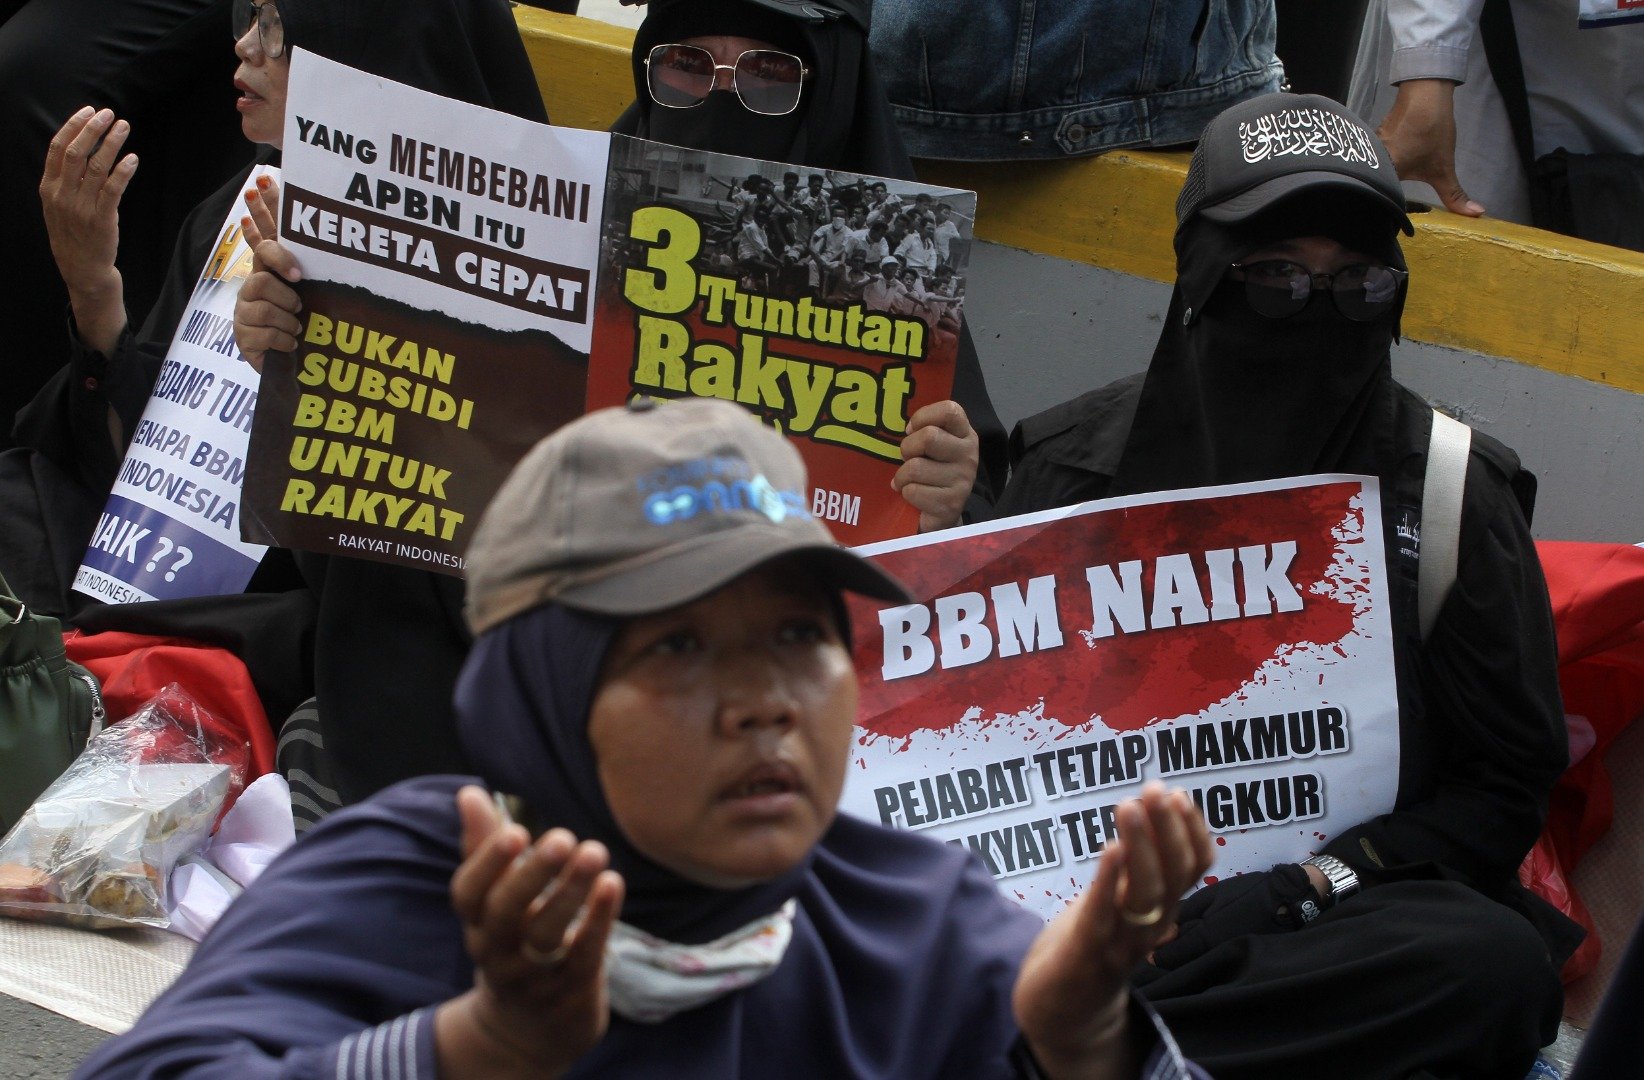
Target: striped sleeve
399 1049
1164 1060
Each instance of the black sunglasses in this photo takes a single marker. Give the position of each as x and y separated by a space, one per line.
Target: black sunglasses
1278 288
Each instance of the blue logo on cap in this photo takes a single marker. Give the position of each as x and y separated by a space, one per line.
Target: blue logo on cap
686 501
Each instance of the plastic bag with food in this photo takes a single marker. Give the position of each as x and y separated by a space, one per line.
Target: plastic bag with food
98 846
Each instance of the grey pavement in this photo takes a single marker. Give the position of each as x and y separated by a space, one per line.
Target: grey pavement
37 1044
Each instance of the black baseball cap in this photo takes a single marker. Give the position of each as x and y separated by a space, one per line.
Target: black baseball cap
1269 148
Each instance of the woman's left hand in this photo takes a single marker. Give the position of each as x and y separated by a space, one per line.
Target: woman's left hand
940 454
1072 998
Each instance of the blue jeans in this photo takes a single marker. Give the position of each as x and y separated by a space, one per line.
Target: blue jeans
1015 79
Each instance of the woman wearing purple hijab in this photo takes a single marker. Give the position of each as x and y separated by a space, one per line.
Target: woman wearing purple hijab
662 677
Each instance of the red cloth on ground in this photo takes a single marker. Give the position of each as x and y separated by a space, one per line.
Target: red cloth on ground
135 667
1597 593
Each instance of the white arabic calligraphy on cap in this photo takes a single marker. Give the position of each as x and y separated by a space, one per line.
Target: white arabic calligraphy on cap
1310 132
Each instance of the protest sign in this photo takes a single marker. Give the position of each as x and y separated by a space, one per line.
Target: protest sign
448 256
1235 642
730 277
171 526
472 280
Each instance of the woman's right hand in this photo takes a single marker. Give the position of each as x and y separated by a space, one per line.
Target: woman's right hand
80 193
535 920
265 312
1072 996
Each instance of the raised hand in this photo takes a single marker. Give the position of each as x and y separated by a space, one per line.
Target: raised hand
80 192
940 454
1072 997
535 918
265 312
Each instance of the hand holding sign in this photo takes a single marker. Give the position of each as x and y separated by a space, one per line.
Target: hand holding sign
535 920
1072 997
265 315
939 459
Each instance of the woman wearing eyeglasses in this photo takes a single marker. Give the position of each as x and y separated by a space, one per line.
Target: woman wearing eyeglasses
75 431
1407 946
794 82
380 646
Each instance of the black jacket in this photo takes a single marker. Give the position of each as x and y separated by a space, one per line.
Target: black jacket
1482 734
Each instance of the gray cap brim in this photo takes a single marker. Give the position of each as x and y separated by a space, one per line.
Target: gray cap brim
677 575
1247 204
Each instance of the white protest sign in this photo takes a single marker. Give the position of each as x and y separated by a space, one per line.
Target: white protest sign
1234 642
171 527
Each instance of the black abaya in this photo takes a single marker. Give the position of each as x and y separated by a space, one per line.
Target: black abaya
164 65
1443 962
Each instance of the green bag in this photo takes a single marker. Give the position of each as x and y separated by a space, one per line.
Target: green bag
49 706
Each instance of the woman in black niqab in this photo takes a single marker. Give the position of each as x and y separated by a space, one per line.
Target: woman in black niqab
843 122
1232 395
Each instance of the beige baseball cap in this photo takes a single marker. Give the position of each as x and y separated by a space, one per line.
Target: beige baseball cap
642 508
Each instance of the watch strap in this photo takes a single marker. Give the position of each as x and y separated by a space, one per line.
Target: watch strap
1344 881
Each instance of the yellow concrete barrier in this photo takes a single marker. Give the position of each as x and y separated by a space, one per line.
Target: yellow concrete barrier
1485 286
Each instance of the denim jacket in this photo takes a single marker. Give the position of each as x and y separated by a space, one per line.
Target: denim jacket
975 80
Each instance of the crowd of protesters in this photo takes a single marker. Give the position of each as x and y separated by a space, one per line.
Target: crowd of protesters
855 243
419 931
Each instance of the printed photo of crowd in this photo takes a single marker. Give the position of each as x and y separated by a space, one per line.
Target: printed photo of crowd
837 237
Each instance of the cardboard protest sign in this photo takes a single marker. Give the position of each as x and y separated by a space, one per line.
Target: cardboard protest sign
729 277
448 254
473 280
171 527
1234 641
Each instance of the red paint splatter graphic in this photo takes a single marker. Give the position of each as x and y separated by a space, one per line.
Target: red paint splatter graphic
1128 679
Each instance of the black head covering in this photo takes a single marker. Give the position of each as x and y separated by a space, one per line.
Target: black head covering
1233 396
464 49
843 120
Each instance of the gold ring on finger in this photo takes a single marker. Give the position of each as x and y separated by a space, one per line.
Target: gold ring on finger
1146 918
553 958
